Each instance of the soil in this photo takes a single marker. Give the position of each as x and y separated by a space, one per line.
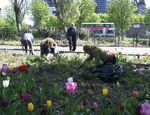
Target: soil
87 84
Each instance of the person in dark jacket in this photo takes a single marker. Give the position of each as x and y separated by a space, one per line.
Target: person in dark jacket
72 36
48 46
99 54
27 39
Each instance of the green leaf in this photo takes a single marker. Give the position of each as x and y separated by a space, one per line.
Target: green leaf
77 102
38 112
13 107
114 106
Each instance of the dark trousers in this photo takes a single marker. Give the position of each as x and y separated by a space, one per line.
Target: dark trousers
48 50
29 48
72 42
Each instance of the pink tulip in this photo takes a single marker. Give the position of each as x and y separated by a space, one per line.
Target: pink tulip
145 109
5 68
95 105
71 86
136 93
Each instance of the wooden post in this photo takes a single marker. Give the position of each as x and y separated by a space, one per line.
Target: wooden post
133 39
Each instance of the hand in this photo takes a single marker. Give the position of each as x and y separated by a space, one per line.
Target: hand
70 37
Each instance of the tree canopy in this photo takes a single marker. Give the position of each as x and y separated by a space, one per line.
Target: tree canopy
121 11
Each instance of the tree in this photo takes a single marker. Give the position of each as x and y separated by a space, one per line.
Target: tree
121 11
40 11
94 17
67 10
53 21
103 17
147 16
86 8
20 8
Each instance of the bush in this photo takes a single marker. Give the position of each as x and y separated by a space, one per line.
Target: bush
84 34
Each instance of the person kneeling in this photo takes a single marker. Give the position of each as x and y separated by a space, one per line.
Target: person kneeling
48 46
99 54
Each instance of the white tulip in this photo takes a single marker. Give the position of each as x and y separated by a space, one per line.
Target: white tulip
5 83
70 79
3 73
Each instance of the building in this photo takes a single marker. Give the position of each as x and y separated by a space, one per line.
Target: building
102 6
141 7
51 7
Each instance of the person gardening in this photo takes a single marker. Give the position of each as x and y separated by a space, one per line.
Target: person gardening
27 39
48 46
99 54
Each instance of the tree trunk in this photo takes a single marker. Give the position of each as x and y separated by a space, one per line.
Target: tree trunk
17 13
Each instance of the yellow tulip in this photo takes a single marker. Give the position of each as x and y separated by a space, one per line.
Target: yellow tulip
30 107
8 78
105 91
49 103
11 68
36 65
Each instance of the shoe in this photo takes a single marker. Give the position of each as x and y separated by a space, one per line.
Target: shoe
73 50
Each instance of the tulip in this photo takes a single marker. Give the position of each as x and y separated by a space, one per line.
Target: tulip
28 65
27 97
78 53
14 54
95 105
36 65
145 109
11 68
5 69
121 108
8 78
49 103
138 110
118 84
21 96
14 71
5 83
70 79
30 107
84 102
105 91
5 102
40 79
136 93
71 86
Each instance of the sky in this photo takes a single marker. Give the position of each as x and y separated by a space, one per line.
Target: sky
3 3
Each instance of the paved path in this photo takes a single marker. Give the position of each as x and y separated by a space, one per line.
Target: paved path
124 50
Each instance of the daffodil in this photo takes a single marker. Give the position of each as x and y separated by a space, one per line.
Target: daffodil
30 107
105 91
49 103
8 78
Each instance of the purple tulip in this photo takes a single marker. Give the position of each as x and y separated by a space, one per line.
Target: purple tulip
138 110
5 102
145 109
28 65
14 71
5 69
2 74
119 53
40 79
27 97
71 86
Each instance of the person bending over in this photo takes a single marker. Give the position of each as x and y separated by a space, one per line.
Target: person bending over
27 39
99 54
48 46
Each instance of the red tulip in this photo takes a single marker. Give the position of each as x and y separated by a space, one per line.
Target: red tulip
21 96
121 108
84 102
14 54
22 68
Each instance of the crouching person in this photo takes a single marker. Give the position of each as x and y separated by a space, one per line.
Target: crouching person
27 39
48 46
99 55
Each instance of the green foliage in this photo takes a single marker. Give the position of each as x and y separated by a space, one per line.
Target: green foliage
120 12
147 16
40 11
